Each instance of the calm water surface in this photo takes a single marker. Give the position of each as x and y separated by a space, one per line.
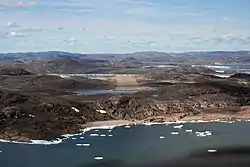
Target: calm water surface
139 143
94 92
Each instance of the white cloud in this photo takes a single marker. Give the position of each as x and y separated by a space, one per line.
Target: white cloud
13 24
143 11
70 40
194 14
17 3
229 38
15 34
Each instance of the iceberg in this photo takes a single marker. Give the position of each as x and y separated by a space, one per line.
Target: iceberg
174 133
178 126
98 158
211 150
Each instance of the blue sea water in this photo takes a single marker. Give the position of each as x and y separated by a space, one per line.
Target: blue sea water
131 145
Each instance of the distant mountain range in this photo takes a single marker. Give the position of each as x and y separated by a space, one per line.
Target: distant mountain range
64 62
142 56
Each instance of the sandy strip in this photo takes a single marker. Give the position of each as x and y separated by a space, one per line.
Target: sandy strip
109 123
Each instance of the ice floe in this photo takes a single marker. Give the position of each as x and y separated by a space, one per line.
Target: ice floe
189 130
174 133
94 134
102 135
162 137
110 135
127 126
73 138
75 109
203 134
96 130
110 130
45 142
178 126
98 158
211 150
83 145
1 151
81 137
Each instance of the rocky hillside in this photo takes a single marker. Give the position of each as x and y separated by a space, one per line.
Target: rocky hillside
178 100
23 117
14 71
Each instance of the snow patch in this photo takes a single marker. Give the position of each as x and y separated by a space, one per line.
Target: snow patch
31 116
75 109
102 111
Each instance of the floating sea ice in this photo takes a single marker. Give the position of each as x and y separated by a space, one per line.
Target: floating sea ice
73 138
98 158
110 135
81 137
75 109
162 137
201 134
174 133
96 130
94 134
110 130
178 126
1 151
102 135
211 150
189 130
86 145
127 126
78 145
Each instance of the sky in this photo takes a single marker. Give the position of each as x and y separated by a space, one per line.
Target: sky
120 26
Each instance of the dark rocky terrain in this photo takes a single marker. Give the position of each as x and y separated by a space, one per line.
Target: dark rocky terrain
14 71
35 105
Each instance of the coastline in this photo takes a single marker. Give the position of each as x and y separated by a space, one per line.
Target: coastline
111 124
